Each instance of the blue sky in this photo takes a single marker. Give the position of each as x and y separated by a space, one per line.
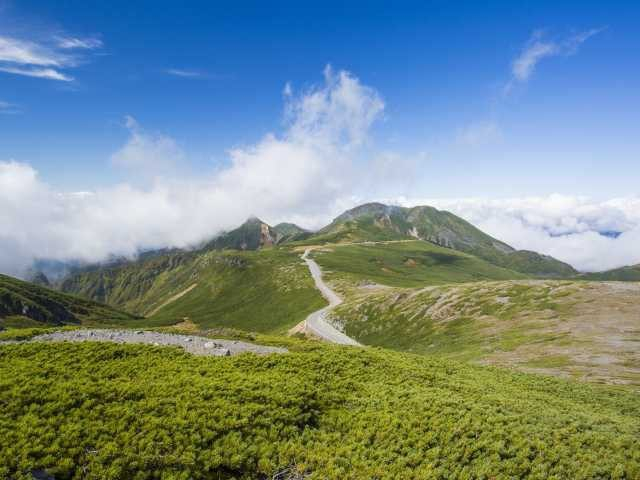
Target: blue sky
425 101
439 66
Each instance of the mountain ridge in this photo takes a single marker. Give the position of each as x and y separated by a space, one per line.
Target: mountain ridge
377 221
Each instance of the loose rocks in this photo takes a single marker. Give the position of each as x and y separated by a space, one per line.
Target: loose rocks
191 343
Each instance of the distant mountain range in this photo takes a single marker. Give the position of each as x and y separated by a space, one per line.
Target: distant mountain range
379 222
142 286
626 274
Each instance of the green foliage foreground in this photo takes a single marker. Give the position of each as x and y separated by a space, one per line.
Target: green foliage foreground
107 411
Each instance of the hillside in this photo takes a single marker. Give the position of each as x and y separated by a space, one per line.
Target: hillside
573 329
378 222
25 304
290 232
262 291
624 274
318 412
409 263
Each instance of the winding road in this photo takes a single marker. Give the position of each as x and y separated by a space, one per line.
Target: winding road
316 322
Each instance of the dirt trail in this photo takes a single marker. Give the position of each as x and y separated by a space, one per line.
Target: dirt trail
316 322
171 300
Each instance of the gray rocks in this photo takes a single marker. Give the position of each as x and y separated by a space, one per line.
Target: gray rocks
191 343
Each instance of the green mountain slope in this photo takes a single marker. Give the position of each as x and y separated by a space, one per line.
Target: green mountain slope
264 291
318 412
410 263
378 222
290 232
26 304
624 274
135 286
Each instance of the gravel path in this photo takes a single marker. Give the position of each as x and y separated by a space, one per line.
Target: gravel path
191 343
316 322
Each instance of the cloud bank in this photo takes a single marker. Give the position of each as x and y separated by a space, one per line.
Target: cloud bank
321 164
305 173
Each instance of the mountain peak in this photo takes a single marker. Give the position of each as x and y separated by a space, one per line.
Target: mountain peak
251 235
379 222
368 209
253 220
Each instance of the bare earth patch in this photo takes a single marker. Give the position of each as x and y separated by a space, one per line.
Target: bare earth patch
600 337
191 343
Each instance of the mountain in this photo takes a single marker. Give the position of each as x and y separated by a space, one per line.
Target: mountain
625 274
129 284
379 222
38 278
237 281
24 304
255 234
268 290
251 235
290 232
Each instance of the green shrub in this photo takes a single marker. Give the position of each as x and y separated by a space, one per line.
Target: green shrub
107 411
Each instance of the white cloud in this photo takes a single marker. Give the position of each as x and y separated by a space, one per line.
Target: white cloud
21 52
43 59
479 134
572 229
308 173
184 73
48 73
341 112
147 154
68 43
539 48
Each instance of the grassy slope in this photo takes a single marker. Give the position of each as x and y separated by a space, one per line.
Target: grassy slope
407 264
23 304
265 291
580 329
446 320
116 411
361 230
134 286
269 292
